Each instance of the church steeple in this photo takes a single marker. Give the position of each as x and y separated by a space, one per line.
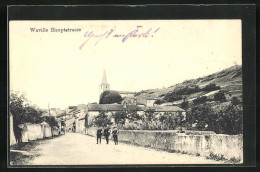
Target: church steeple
104 86
104 81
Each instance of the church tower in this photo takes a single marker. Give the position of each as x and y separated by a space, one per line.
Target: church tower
104 86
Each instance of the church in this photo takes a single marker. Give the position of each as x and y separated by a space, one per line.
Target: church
130 103
104 86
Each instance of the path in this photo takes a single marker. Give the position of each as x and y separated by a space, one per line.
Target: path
79 149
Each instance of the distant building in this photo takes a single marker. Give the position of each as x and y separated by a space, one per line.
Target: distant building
110 109
125 94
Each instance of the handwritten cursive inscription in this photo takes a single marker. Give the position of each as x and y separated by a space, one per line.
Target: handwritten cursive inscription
138 32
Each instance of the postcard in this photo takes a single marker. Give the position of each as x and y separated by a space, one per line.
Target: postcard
125 92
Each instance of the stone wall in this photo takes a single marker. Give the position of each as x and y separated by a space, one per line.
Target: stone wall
206 144
37 131
11 128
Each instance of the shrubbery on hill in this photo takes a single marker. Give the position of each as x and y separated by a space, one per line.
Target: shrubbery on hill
220 96
210 87
170 97
185 105
200 100
158 102
227 120
177 93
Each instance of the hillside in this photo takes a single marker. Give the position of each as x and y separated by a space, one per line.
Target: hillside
228 80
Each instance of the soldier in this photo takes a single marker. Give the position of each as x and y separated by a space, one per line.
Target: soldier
107 133
115 132
99 134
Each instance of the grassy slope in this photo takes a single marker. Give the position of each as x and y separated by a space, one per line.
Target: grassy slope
229 79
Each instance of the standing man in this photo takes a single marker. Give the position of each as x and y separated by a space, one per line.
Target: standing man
115 132
107 133
99 134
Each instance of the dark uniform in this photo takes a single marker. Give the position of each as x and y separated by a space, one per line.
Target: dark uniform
99 134
115 132
106 134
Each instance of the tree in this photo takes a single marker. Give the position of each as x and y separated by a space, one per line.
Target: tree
185 105
200 100
102 120
200 114
232 120
133 116
120 118
22 112
220 96
110 97
51 120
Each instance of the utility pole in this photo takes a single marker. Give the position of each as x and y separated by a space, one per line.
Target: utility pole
49 109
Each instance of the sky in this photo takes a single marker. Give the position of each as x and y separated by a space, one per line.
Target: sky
56 68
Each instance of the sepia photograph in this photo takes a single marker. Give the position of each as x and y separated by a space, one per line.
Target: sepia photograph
125 92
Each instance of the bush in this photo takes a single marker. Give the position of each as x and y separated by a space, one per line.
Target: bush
185 105
227 120
235 101
200 100
211 87
22 112
187 90
171 97
200 114
102 120
158 102
220 96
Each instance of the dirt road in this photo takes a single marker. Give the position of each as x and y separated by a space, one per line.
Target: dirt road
79 149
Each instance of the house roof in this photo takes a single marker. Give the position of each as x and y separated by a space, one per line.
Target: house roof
119 107
105 107
126 92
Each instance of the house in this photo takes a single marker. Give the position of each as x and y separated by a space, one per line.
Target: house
125 94
110 109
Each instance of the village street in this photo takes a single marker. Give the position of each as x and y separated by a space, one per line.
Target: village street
80 149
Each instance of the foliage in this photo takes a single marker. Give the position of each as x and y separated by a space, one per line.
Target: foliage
200 100
133 116
185 105
210 87
220 96
187 90
199 114
158 102
178 93
170 121
102 120
235 101
171 97
231 121
226 120
51 120
120 118
110 97
22 112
